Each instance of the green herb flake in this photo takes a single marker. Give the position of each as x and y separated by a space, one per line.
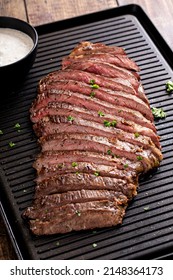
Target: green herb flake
114 123
1 132
96 173
74 164
158 113
107 123
94 245
92 94
126 165
17 125
139 158
109 152
11 144
146 208
101 114
60 165
169 86
136 134
117 156
93 84
70 118
78 213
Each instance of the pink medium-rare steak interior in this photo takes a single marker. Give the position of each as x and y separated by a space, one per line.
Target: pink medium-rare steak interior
97 136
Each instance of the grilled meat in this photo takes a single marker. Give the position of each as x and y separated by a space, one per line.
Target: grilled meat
97 135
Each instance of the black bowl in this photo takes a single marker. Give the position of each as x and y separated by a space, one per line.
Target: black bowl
12 75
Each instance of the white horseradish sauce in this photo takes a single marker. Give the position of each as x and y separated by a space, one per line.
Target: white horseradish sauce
14 45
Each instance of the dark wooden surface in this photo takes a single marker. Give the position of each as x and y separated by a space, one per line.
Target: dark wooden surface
44 11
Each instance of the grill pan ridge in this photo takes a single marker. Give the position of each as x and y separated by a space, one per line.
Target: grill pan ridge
147 229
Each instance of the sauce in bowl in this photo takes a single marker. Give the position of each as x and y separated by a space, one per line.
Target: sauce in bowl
14 45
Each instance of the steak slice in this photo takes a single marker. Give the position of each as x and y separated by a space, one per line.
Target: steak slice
78 181
54 108
53 96
101 144
47 203
57 123
79 216
89 48
51 158
79 75
104 69
119 60
97 136
119 98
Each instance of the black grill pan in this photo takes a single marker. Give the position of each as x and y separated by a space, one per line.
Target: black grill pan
147 229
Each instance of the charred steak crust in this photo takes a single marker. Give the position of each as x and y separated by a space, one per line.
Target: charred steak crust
97 135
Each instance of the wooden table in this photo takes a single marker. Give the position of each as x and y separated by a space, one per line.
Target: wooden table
44 11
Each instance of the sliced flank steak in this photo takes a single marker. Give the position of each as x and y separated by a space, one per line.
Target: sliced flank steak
97 135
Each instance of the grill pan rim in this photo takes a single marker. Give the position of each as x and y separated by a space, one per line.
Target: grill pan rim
154 35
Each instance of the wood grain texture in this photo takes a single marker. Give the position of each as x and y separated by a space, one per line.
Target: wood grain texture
44 11
161 14
6 249
13 8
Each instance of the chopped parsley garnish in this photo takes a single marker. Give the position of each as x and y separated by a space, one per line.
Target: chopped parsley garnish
117 156
92 94
109 152
146 208
96 173
74 164
11 144
139 158
93 84
60 165
136 134
114 123
17 126
126 165
1 132
158 113
94 245
169 86
70 118
108 124
101 114
78 213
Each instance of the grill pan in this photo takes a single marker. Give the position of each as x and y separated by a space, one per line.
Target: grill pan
147 229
